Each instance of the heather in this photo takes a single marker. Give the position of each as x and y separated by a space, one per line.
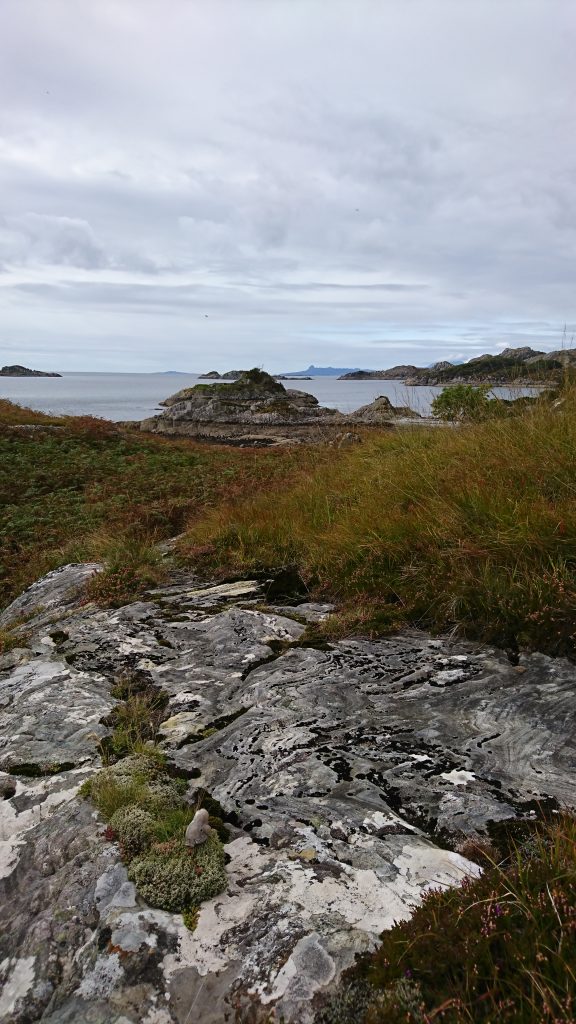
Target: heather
499 948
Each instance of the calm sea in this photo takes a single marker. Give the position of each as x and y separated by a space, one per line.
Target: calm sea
133 396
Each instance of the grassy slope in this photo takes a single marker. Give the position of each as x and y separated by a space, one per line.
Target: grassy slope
474 527
89 490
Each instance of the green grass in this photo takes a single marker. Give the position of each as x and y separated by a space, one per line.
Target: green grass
90 490
499 948
473 528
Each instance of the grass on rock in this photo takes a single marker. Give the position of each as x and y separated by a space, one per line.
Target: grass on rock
146 809
147 815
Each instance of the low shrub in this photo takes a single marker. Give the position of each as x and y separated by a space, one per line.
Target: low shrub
462 402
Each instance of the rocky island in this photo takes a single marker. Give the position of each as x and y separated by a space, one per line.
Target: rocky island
24 371
255 408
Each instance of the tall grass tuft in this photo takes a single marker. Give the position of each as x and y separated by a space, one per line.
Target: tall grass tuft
473 527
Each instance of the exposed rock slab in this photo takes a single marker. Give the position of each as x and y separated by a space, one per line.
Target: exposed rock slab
340 769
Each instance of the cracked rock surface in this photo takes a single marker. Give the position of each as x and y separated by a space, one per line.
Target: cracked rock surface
344 773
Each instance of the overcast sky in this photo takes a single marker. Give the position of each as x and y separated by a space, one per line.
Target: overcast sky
199 184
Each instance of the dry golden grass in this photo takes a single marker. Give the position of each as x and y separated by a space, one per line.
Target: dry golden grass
473 527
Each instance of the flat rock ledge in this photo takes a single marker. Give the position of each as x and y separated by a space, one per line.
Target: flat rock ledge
345 774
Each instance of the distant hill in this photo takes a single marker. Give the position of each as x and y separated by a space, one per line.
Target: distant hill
321 371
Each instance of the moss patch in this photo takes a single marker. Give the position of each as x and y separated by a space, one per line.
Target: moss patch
173 877
148 816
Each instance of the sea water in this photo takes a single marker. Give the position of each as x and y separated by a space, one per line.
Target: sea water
134 396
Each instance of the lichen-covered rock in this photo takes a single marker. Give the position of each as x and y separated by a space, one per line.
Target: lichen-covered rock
381 411
337 770
182 877
51 595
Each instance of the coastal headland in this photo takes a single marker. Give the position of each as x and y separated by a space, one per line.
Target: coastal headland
522 366
23 371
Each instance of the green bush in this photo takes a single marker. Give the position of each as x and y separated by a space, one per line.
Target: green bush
462 402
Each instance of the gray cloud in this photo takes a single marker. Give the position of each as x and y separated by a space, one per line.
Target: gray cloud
285 182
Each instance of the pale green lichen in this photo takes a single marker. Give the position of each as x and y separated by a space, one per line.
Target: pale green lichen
178 878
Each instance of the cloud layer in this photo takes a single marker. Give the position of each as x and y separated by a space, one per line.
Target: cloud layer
215 182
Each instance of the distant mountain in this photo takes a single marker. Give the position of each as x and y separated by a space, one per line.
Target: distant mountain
321 371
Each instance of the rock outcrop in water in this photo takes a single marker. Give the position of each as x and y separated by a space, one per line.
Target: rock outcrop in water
338 770
23 371
253 406
258 408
